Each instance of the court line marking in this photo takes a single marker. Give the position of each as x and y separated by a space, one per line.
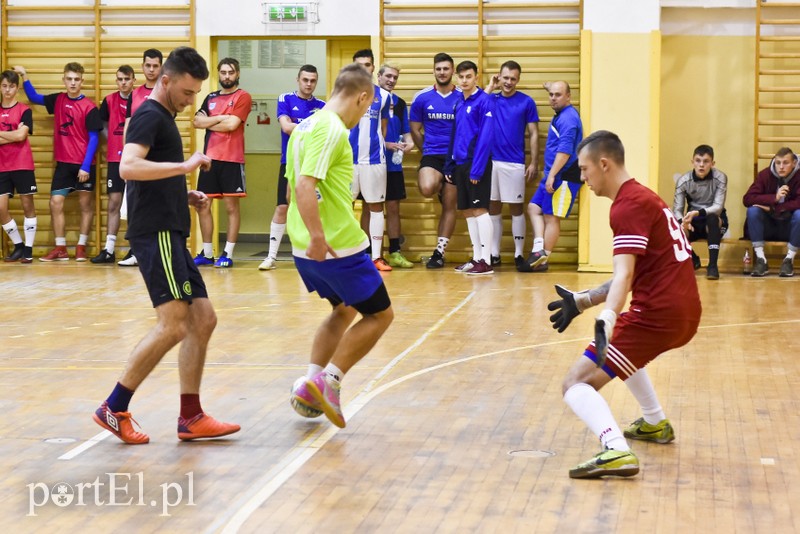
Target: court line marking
88 444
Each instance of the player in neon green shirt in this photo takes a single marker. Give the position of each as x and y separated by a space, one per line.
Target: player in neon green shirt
328 245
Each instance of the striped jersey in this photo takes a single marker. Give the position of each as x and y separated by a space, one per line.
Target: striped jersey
664 283
113 110
226 146
366 137
511 118
16 156
296 108
436 112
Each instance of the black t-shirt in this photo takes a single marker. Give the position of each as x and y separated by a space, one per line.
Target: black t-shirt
157 205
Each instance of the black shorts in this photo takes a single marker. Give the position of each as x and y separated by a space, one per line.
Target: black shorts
23 182
66 177
395 185
700 223
114 184
225 179
167 267
472 196
283 186
435 161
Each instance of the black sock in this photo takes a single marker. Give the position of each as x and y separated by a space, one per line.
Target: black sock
394 244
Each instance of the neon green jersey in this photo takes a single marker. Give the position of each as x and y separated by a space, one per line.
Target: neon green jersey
319 147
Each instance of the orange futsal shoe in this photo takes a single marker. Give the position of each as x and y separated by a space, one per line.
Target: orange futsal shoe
203 425
119 424
381 264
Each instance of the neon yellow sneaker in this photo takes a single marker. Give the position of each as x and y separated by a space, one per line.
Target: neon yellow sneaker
396 259
607 463
644 431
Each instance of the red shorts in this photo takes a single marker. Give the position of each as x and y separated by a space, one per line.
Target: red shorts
637 341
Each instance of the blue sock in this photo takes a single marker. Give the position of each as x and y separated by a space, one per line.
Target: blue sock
119 399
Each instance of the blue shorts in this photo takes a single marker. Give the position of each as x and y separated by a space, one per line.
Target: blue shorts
352 279
560 202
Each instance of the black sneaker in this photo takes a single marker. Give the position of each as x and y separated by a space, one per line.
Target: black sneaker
696 261
104 257
787 268
496 260
712 272
27 255
537 258
760 268
522 265
17 254
436 260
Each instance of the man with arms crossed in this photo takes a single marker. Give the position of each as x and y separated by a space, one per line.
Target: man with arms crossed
652 261
159 226
328 245
16 167
222 115
292 108
431 121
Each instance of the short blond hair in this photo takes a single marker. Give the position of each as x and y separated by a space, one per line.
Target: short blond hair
389 65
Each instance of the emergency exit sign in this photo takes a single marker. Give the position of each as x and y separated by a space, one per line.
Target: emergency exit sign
287 12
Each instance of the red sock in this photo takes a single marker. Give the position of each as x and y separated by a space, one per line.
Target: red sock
190 405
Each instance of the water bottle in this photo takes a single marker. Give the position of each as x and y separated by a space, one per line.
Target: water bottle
397 157
747 266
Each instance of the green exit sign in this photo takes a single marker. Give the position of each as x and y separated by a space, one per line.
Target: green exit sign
287 12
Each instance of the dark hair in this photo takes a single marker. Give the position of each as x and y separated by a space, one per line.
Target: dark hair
73 67
185 60
511 65
466 65
366 52
10 76
153 53
702 150
442 56
784 152
127 70
604 143
352 79
233 62
307 68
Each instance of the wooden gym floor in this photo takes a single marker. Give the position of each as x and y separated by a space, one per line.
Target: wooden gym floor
469 373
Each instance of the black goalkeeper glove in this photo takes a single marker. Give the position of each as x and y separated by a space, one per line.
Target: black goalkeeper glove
570 306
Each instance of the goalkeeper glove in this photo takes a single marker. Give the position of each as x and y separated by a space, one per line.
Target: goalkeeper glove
570 306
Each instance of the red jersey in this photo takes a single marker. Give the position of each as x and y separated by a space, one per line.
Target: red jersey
113 110
16 156
139 95
664 284
227 146
74 119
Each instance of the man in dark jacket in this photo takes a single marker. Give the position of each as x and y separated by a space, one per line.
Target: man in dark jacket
773 210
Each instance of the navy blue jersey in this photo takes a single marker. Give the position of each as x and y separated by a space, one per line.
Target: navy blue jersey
396 129
436 112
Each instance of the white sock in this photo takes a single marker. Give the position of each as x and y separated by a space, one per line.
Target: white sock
30 230
642 389
12 231
335 372
518 231
61 241
791 254
83 239
593 410
759 251
313 370
276 232
208 250
485 232
538 244
497 233
111 243
441 244
229 248
376 224
474 236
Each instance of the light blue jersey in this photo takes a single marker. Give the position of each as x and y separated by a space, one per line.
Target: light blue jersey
366 137
296 108
511 118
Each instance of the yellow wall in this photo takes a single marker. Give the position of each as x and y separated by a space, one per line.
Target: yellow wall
707 98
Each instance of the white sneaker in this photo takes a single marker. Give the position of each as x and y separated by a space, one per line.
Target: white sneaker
128 262
268 264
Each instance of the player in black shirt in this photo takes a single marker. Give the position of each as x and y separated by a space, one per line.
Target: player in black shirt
158 228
